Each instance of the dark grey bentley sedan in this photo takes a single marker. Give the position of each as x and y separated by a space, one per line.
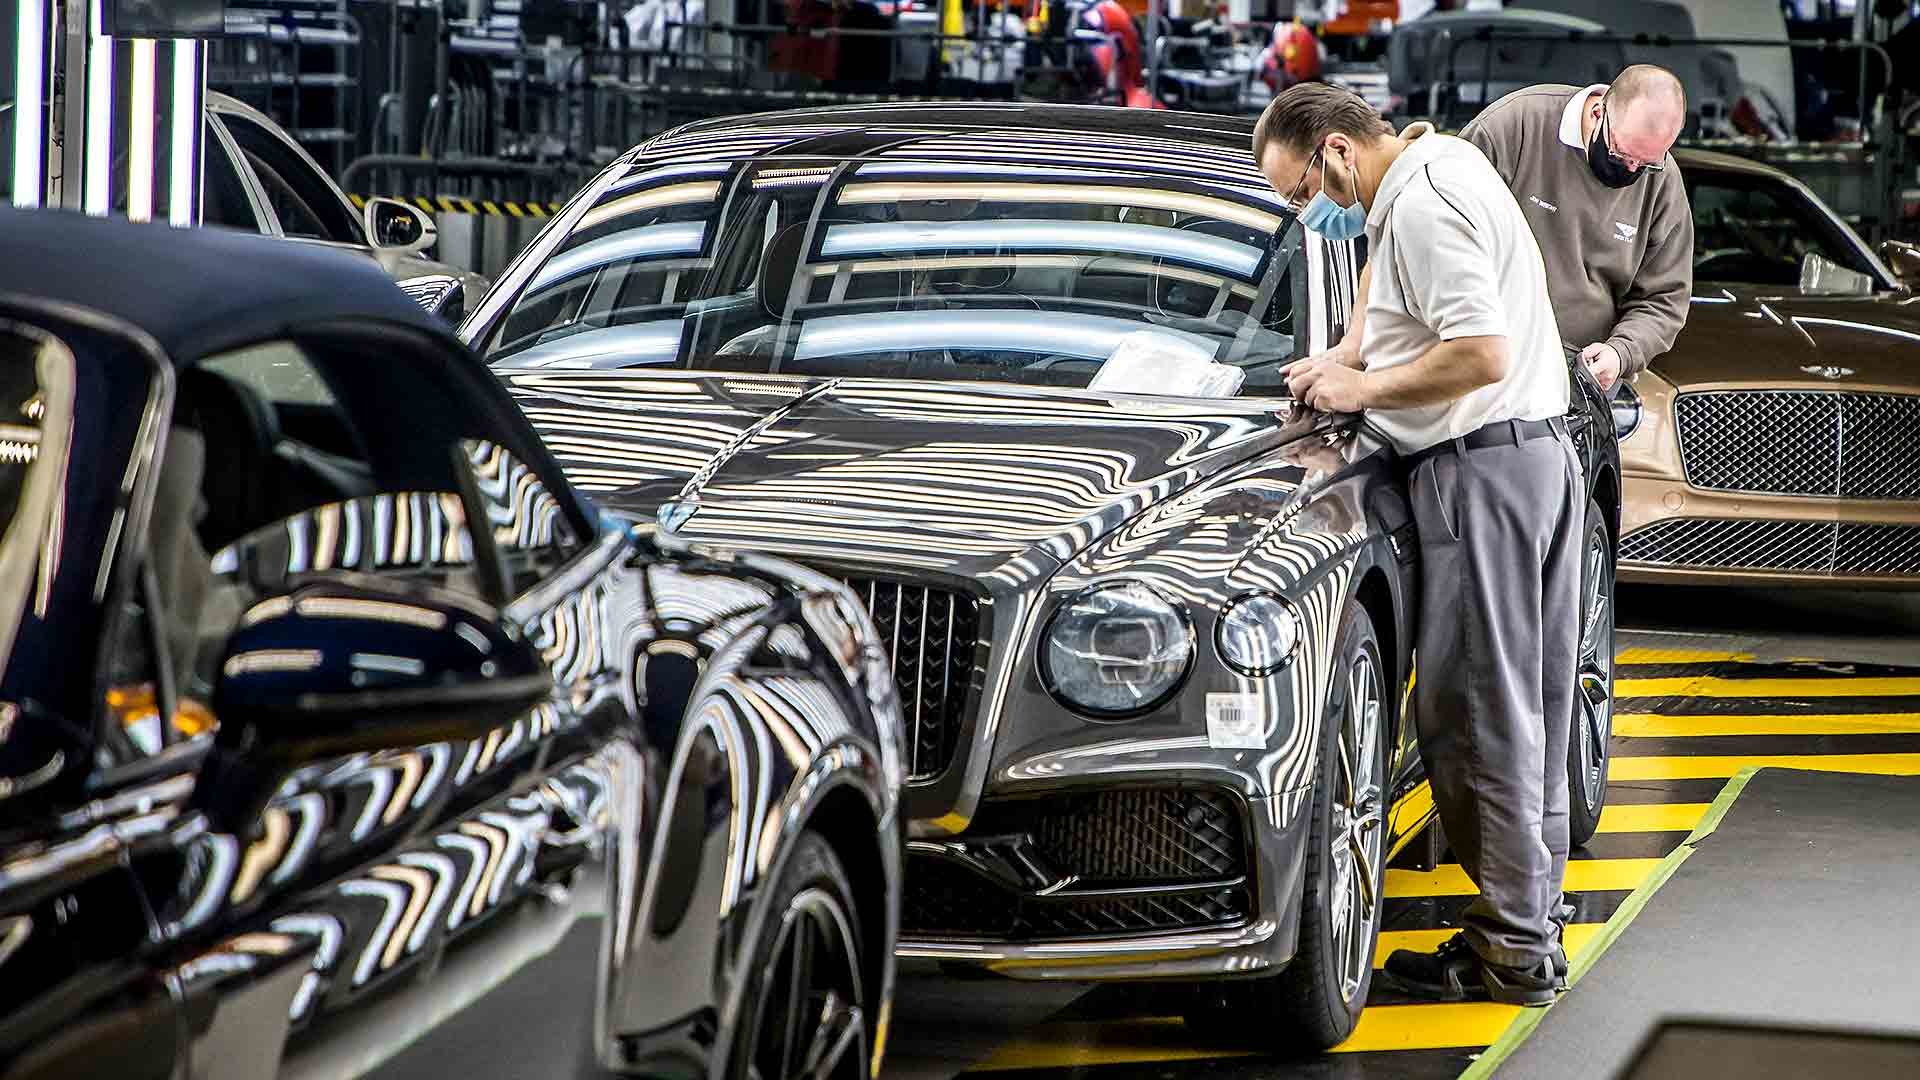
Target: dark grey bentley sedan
339 735
1013 373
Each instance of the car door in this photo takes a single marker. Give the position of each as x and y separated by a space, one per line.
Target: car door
79 404
331 913
301 202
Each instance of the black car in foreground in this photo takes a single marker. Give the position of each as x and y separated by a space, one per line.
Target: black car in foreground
339 735
1151 647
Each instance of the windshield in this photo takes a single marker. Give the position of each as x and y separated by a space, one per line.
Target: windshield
915 270
1758 230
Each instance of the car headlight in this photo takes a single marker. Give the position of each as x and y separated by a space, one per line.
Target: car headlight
1626 409
1116 650
1258 633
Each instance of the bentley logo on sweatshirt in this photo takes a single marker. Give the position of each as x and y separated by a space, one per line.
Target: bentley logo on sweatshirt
1543 204
1624 231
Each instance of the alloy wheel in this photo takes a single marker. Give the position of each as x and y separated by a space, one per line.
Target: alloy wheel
1595 672
809 1023
1358 831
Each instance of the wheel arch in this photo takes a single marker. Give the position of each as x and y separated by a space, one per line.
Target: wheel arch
843 816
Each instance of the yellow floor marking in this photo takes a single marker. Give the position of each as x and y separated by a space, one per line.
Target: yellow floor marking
1701 768
1716 687
1578 934
1656 726
1583 875
1165 1038
1652 817
1639 655
1413 809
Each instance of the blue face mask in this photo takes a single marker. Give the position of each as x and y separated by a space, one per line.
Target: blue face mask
1329 218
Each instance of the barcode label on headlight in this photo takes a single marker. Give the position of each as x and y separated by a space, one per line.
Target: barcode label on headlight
1236 721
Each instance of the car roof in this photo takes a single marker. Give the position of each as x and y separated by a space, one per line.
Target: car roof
196 291
1691 158
1197 146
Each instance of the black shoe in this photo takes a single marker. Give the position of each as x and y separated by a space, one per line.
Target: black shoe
1454 972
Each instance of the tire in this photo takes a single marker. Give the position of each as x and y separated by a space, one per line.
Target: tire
1587 747
1315 1002
809 944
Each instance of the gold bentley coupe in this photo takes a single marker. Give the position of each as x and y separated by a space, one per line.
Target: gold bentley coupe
1779 440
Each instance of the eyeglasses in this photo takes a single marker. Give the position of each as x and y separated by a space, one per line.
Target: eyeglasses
1292 201
1632 164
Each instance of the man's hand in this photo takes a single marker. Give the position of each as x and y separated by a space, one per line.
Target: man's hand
1326 383
1603 363
1345 354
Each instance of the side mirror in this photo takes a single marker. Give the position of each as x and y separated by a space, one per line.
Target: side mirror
1904 260
355 665
398 228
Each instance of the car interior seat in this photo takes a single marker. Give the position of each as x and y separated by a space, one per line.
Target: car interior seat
254 474
197 609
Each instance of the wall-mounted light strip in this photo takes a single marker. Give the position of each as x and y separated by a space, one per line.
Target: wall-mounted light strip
140 127
99 131
183 184
29 101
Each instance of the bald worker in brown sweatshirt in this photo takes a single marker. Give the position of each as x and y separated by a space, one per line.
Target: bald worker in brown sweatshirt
1591 169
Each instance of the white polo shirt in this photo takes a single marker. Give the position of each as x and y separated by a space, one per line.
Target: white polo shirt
1452 257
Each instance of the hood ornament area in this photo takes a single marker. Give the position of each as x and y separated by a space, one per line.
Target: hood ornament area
1827 371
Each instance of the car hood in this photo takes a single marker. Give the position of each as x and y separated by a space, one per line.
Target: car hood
1781 337
976 481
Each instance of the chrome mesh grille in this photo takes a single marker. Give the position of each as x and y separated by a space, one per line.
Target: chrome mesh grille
1802 442
1808 547
930 635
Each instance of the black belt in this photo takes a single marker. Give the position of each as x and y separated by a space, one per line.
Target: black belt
1498 433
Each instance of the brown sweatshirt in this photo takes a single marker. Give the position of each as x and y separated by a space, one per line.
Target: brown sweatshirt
1619 261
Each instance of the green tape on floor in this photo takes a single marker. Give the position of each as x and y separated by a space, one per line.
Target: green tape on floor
1524 1024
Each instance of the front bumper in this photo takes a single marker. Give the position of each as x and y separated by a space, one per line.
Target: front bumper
1021 894
1673 532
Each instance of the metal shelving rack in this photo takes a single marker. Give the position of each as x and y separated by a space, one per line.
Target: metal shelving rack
299 62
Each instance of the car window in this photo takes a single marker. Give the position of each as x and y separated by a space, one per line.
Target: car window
925 270
223 197
76 405
278 371
301 196
1757 230
244 511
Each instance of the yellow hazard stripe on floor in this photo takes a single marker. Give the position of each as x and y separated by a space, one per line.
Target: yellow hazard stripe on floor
1708 768
1641 655
1717 687
1656 726
1578 935
1583 875
457 204
1165 1038
1651 817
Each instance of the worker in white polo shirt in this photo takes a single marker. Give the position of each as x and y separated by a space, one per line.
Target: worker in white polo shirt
1455 356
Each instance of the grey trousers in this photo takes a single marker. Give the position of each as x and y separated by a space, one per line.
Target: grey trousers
1500 543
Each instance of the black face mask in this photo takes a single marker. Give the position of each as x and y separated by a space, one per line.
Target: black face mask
1608 169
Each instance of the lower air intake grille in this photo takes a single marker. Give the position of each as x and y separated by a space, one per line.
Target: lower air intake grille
945 901
1192 839
1138 834
1806 547
930 635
